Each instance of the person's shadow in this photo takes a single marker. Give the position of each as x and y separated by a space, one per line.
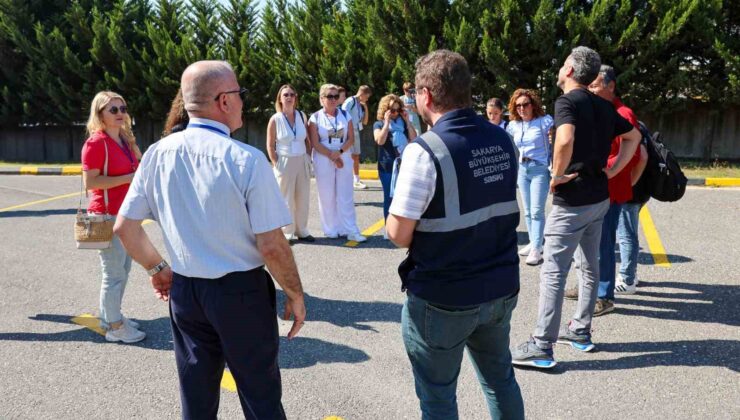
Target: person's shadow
345 313
297 353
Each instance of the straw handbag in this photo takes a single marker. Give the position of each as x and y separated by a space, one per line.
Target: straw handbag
94 231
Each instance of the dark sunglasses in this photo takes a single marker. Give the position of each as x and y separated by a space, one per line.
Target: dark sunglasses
242 93
395 110
332 97
524 105
289 95
114 109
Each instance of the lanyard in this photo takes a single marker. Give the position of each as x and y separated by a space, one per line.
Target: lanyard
208 127
334 124
293 127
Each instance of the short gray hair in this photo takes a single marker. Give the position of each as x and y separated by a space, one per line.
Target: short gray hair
608 74
200 81
586 63
447 76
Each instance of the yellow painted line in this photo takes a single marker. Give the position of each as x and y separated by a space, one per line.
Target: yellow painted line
333 418
146 222
722 182
369 231
72 170
29 170
92 323
653 239
368 174
46 200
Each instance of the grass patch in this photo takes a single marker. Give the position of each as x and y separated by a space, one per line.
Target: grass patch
40 165
713 169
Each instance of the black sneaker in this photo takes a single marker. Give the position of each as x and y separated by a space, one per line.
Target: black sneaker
307 238
580 342
529 354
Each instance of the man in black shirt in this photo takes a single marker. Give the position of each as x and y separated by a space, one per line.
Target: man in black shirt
586 125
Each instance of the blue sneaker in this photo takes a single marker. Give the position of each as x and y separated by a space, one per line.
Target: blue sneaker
528 354
580 342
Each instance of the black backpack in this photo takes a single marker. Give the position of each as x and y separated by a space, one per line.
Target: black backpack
663 179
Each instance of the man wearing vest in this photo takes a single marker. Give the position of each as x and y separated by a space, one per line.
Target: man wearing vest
455 209
586 125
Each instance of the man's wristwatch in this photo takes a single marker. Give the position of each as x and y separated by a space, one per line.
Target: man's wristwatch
157 268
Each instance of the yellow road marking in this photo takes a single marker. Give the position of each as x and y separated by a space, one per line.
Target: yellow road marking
72 170
722 182
333 418
368 174
29 170
46 200
653 239
369 231
92 323
147 221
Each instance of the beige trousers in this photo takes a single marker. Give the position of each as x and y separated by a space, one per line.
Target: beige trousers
293 174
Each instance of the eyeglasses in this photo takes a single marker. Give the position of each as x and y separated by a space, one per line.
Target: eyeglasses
523 105
395 110
332 97
241 91
289 95
114 109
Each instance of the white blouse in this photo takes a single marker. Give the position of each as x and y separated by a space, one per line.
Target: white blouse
290 140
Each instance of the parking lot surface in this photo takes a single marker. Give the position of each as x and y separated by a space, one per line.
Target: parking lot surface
670 351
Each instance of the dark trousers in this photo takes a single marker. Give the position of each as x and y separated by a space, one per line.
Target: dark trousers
231 319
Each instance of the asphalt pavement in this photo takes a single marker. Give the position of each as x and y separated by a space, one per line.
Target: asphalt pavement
670 351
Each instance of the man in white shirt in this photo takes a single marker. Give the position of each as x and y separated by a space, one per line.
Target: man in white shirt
220 211
356 108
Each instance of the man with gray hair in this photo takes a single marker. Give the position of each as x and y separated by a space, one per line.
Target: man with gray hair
586 125
220 211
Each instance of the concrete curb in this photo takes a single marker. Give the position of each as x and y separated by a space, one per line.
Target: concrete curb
364 174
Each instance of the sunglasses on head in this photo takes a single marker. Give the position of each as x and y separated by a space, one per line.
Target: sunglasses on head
114 109
523 105
241 91
332 97
289 95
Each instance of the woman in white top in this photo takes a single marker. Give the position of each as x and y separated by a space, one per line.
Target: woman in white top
331 135
289 150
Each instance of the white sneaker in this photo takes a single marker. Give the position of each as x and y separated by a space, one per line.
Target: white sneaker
534 257
126 334
622 288
130 322
359 185
525 251
356 237
620 278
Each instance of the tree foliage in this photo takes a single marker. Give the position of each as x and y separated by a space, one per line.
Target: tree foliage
56 54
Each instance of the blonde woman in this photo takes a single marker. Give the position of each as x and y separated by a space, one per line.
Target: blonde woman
289 150
109 131
392 131
332 136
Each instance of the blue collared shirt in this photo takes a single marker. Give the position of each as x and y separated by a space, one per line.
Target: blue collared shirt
531 138
211 195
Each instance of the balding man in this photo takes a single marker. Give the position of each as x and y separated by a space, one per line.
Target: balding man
221 211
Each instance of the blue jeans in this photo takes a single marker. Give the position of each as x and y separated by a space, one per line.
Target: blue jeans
534 184
385 181
607 258
116 264
629 243
435 336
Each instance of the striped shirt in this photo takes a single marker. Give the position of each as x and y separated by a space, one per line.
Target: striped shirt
417 180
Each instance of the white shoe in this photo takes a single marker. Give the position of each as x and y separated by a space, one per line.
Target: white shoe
130 322
620 278
356 237
525 251
534 257
622 288
126 334
359 185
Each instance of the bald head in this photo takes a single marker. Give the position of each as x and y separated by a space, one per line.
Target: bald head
202 81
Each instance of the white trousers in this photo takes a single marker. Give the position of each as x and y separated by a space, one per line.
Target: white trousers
336 195
294 177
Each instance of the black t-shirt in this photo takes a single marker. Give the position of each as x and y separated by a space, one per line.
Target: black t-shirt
597 123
